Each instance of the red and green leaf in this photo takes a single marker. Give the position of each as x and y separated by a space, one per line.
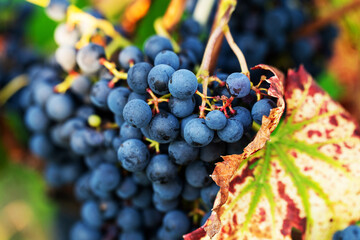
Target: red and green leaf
306 173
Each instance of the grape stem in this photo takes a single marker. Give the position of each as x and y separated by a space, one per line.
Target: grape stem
155 100
239 54
12 87
160 30
112 69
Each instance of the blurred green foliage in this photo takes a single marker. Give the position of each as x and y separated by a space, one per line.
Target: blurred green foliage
331 85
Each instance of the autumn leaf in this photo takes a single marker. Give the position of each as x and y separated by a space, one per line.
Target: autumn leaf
305 177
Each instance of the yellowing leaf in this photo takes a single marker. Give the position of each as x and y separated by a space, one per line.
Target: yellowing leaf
307 174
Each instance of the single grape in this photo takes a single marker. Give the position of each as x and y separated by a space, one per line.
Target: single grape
56 9
131 236
244 116
35 119
129 132
66 57
163 205
117 99
41 145
143 198
59 107
238 84
184 122
161 169
182 153
64 36
159 77
164 127
169 190
197 175
81 86
88 58
105 177
109 208
262 108
169 58
215 120
208 194
82 188
190 27
137 77
190 193
81 231
130 54
181 108
127 188
197 134
156 44
213 151
232 132
194 45
176 223
99 93
183 84
129 219
137 113
91 214
133 155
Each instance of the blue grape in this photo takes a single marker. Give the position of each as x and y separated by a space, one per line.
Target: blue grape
88 58
129 132
65 56
182 153
181 107
93 138
215 120
117 99
81 231
91 214
93 160
196 174
137 113
237 147
352 232
129 219
109 208
59 107
238 84
183 84
156 44
164 127
99 93
41 145
151 218
64 36
197 134
133 155
82 188
261 108
161 169
244 116
208 194
169 190
142 199
169 58
141 179
42 91
110 155
56 9
81 85
109 135
130 54
131 236
176 223
194 45
190 27
137 77
302 50
70 172
184 122
52 175
78 143
70 126
205 218
119 120
84 112
190 193
232 132
276 21
158 78
56 138
105 178
163 205
35 119
127 188
212 152
134 95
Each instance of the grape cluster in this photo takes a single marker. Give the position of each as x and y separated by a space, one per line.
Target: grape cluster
138 144
265 30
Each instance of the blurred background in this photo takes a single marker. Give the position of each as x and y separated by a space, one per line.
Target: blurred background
29 208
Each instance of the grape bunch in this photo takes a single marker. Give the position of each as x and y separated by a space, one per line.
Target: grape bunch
267 32
138 144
